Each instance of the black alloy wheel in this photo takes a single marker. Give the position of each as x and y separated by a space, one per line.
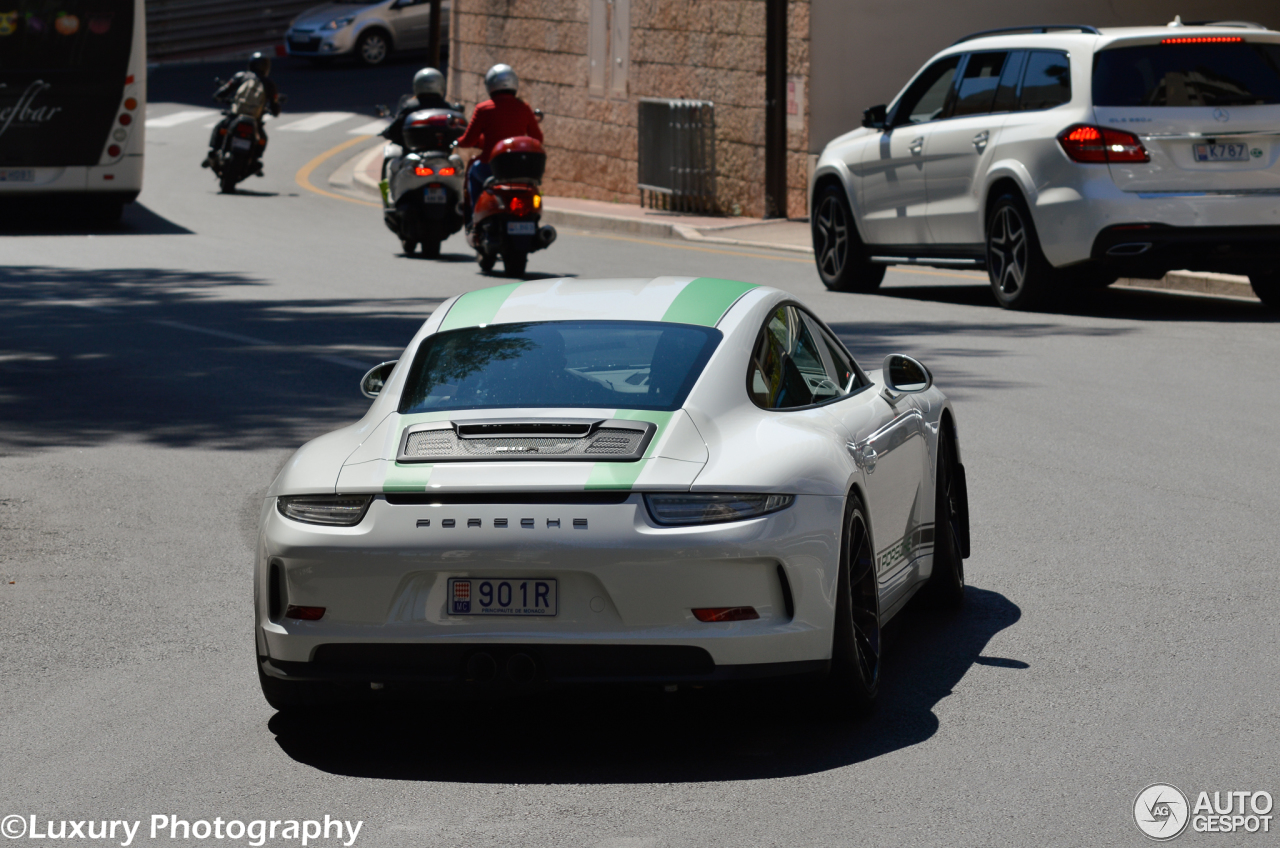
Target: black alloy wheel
373 47
855 651
1267 288
950 528
1021 278
837 250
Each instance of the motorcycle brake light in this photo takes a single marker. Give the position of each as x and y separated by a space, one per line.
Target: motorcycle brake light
447 172
518 205
423 172
244 130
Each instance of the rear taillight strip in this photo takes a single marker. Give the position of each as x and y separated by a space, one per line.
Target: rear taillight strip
1090 144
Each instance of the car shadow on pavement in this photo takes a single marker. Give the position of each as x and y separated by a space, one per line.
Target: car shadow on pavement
52 219
646 736
1113 302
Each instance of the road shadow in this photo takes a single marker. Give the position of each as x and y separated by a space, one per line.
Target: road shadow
336 87
650 737
179 357
1112 302
52 219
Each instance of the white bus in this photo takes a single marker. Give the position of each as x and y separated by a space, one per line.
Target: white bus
73 92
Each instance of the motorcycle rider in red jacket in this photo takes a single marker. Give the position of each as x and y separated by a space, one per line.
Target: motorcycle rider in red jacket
501 117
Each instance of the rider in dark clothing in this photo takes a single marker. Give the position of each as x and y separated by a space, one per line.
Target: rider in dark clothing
259 67
428 93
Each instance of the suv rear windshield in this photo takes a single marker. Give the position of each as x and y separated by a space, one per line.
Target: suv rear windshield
1234 74
607 364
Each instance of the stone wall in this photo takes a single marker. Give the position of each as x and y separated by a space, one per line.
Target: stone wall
698 49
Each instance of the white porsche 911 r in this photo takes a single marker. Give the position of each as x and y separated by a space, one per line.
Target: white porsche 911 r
664 481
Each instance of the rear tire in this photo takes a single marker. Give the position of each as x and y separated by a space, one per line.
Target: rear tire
228 182
487 261
950 528
838 251
408 246
514 262
431 249
1021 278
1267 288
854 681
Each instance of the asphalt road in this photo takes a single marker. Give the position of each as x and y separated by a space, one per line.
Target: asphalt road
1121 626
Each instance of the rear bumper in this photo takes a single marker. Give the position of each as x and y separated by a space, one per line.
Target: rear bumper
1152 250
516 664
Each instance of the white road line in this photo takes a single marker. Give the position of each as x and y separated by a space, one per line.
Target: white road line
236 337
371 128
318 121
172 120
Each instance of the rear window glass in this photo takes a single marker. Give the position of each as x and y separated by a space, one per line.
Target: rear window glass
1239 74
608 364
1047 81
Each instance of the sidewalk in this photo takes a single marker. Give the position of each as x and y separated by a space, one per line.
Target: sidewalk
363 172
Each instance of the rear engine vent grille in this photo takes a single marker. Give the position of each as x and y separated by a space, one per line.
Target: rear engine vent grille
440 445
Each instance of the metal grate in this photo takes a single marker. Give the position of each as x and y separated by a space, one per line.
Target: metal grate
445 444
178 27
677 154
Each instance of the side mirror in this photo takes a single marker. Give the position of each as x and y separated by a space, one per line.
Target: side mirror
876 117
382 110
904 375
537 113
373 381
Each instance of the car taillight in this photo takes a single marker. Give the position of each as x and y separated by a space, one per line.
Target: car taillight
113 151
423 172
710 614
304 613
1084 143
130 103
126 119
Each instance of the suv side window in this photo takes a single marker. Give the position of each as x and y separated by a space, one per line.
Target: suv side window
795 364
926 99
1007 93
1047 81
976 93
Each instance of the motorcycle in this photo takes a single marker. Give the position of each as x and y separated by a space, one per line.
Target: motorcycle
505 221
239 144
423 182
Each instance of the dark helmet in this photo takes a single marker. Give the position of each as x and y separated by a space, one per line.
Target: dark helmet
260 65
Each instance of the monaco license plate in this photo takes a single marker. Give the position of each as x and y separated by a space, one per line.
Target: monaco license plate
521 228
435 194
503 596
240 144
1222 152
17 175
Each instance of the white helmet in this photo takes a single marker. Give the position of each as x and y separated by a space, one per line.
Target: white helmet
428 81
501 78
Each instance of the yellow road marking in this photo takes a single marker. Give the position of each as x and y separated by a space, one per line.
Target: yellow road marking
303 177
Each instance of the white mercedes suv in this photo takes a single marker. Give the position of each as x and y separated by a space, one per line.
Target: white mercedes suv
1064 156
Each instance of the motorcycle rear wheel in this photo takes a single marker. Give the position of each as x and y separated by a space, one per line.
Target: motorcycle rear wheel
514 262
487 261
409 246
228 182
431 249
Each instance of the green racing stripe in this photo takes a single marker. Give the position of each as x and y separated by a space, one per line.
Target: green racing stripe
477 307
705 300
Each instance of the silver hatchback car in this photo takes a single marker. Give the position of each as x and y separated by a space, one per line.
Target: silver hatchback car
370 31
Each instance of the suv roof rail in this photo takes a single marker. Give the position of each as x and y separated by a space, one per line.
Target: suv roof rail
1036 28
1238 24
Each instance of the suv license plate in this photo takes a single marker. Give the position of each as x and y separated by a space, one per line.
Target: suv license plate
17 175
435 194
534 596
521 228
1222 152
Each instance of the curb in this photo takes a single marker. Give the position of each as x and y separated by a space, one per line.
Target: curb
1193 282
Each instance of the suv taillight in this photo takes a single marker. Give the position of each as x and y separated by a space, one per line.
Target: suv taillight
1084 143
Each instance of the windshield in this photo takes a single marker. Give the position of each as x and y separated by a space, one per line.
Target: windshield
1233 74
607 364
62 76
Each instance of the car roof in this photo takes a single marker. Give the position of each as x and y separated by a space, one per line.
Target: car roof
682 300
1103 37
